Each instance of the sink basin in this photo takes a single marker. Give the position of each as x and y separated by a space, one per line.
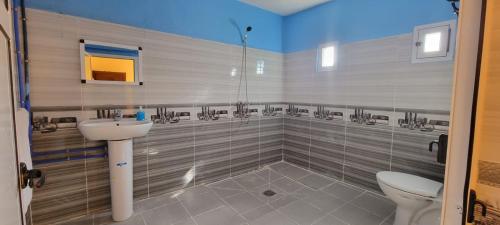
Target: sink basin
111 130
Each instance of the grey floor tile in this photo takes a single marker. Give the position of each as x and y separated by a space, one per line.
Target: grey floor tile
284 201
258 192
134 220
250 180
329 220
168 214
273 218
199 202
269 175
389 220
343 191
188 221
258 212
375 204
225 193
327 203
220 216
315 181
288 185
294 172
243 202
302 212
226 184
86 220
279 166
356 216
154 202
103 218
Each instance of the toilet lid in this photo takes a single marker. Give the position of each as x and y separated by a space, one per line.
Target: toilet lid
411 183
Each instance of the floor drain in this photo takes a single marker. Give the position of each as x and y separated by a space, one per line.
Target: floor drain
269 193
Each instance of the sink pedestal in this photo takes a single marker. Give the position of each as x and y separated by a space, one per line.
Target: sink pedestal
121 178
119 135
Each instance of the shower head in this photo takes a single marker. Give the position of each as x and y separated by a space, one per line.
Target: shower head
244 37
454 6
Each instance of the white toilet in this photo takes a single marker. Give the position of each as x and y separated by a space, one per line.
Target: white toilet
418 199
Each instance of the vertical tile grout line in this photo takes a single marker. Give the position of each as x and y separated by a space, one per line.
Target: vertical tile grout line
345 143
194 148
82 96
86 176
147 164
393 126
145 107
283 134
82 104
258 133
230 141
310 137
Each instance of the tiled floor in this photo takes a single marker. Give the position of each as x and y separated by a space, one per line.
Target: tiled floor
302 198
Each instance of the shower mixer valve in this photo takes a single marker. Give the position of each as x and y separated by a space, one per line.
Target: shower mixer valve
211 114
241 110
271 111
164 116
321 113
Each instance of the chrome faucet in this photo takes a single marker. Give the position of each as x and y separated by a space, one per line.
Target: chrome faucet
117 114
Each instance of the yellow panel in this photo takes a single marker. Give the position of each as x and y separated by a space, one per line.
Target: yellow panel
487 130
98 63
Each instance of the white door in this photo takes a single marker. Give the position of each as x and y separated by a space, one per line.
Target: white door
10 205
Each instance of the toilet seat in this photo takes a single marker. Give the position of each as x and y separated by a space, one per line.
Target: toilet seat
411 184
418 199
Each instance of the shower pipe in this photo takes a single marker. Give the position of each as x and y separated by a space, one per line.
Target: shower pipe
24 90
69 158
243 72
17 43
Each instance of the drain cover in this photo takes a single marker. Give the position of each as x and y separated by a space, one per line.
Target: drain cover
269 193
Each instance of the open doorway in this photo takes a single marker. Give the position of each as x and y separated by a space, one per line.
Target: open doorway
472 176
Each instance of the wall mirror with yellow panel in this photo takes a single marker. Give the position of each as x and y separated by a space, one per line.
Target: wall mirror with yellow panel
107 63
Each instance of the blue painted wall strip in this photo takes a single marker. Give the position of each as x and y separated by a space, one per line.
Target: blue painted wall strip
204 19
348 21
339 20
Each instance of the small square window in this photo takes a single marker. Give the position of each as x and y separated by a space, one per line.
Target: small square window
433 42
326 59
108 63
260 67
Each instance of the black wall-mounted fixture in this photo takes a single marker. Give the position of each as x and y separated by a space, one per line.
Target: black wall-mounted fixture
471 209
454 6
442 144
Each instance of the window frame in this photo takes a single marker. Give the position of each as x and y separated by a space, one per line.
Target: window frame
138 79
417 54
319 57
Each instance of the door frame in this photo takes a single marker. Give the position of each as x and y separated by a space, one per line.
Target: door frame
6 20
463 111
474 112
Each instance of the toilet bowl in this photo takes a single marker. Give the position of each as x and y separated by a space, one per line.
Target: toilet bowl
418 199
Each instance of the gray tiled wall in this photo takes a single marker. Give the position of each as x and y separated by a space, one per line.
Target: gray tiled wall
191 152
169 158
356 152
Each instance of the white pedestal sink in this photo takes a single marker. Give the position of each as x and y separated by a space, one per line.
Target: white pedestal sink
119 135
